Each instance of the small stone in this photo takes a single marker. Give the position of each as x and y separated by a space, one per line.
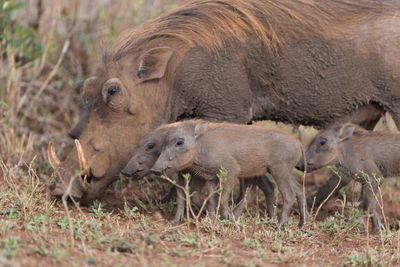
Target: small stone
90 261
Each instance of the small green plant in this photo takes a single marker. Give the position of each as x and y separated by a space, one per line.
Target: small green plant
10 245
97 208
141 204
222 174
397 183
117 185
343 224
190 239
131 212
40 249
369 258
63 223
21 40
251 243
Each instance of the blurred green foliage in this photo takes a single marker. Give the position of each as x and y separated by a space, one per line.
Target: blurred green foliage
21 40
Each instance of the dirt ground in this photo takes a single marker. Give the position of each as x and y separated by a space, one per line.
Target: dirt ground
129 227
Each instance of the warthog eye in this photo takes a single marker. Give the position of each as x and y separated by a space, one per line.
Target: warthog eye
113 90
322 142
180 142
150 146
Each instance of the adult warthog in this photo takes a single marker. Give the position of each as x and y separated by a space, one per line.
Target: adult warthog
300 62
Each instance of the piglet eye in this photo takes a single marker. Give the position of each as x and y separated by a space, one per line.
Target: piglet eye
180 142
322 142
150 146
113 90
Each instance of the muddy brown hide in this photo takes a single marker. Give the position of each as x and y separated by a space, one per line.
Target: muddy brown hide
313 69
357 154
243 151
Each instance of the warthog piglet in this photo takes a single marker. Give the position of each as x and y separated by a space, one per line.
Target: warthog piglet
244 151
357 153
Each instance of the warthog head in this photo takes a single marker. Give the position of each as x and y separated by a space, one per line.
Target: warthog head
179 149
147 151
118 114
324 148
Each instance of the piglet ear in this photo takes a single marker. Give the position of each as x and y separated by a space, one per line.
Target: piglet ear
346 131
200 128
153 63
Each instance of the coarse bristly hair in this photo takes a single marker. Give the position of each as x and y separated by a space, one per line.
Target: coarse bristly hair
210 24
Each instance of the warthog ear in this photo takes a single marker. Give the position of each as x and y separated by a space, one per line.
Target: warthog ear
346 131
200 128
154 63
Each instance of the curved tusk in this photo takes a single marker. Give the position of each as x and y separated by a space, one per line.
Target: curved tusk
82 159
51 154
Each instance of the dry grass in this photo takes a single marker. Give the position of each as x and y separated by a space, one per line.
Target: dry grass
39 101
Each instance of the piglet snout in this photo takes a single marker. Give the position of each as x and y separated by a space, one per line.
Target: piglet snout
127 172
156 171
300 165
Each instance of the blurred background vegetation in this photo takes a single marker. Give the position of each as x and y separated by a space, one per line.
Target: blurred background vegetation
47 49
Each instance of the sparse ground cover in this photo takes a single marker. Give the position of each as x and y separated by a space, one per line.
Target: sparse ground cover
129 226
43 63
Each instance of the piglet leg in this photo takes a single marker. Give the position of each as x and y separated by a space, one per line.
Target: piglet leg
180 200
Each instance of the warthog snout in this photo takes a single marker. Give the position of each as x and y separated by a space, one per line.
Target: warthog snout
75 191
159 167
77 185
74 188
134 169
